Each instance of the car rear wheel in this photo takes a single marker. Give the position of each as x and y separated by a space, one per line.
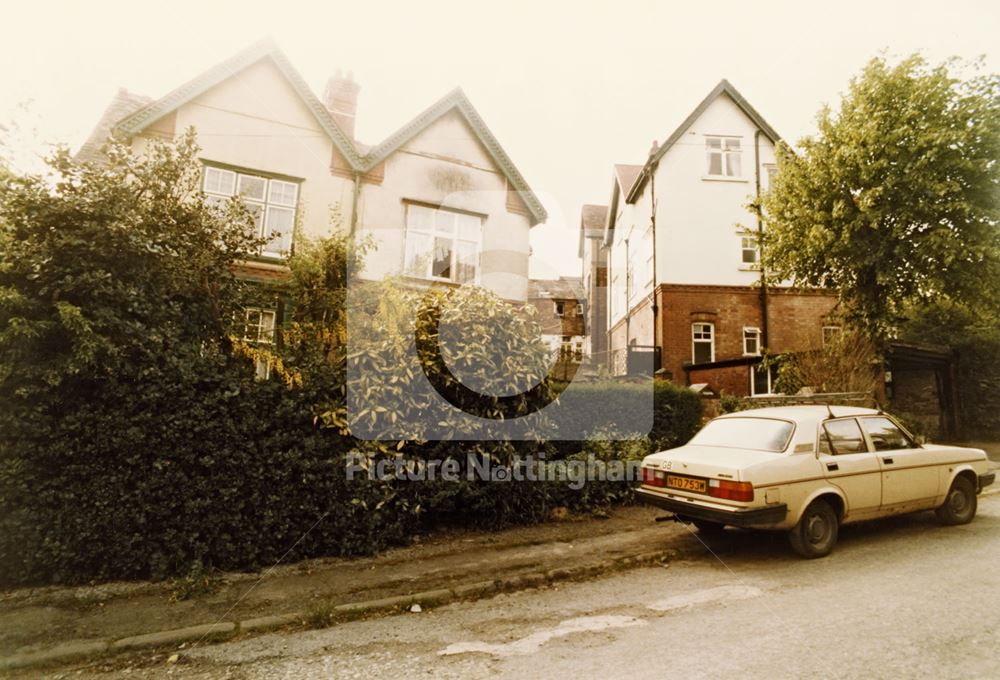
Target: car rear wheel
817 530
960 504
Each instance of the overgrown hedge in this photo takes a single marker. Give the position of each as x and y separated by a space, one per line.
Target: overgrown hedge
136 443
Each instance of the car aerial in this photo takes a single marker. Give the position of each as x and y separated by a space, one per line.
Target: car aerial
808 470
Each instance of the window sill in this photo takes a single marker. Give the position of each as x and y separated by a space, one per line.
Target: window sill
749 267
724 178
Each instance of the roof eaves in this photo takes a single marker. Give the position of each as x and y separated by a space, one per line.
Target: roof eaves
456 99
135 122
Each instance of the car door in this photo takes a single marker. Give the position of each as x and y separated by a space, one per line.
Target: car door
909 479
848 463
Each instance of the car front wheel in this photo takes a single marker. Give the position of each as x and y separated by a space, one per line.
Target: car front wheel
816 533
960 503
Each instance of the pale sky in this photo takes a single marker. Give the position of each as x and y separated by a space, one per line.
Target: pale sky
569 88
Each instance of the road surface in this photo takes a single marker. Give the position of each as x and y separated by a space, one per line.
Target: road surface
898 598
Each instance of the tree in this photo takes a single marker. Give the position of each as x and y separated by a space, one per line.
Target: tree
896 200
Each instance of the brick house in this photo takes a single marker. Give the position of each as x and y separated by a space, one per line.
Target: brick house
561 310
440 197
682 255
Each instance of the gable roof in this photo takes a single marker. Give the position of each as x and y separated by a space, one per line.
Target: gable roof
194 88
563 288
123 104
723 88
456 100
626 176
135 118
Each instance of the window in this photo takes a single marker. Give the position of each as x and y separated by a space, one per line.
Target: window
751 341
271 203
842 437
759 434
442 245
581 308
560 308
703 343
762 379
772 172
724 156
750 250
258 329
830 334
885 434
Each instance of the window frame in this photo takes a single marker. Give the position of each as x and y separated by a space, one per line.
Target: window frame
433 233
827 338
772 377
822 435
265 204
695 341
755 331
262 367
749 244
724 153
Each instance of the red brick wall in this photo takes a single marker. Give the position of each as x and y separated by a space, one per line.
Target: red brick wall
568 324
796 319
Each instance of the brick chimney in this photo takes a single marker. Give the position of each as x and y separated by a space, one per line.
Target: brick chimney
341 100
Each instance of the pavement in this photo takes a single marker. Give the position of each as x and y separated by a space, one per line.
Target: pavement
54 624
48 625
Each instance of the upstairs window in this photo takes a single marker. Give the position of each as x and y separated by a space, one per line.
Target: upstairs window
702 343
442 245
750 250
560 308
751 341
271 202
724 156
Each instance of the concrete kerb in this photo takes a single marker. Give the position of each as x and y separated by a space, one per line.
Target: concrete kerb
79 649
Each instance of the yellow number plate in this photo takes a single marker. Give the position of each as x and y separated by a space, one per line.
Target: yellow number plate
686 483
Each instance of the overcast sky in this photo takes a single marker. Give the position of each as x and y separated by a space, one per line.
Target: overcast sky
569 88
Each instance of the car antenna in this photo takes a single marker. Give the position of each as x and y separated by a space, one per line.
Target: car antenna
830 411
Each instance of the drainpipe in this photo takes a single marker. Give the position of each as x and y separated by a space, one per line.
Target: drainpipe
760 240
354 202
657 353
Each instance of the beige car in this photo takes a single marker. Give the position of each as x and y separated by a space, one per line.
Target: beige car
809 469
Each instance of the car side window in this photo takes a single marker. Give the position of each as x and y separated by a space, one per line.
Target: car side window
841 437
885 434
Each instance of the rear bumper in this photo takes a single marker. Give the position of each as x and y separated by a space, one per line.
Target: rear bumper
986 480
772 514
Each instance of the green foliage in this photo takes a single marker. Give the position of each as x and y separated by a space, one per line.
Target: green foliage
975 334
896 200
135 441
846 363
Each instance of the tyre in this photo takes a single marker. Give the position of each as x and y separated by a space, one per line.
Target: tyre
960 504
817 530
708 528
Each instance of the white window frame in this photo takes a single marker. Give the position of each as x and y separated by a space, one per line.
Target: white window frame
266 203
724 154
771 378
432 233
829 332
560 306
263 335
754 333
697 337
749 244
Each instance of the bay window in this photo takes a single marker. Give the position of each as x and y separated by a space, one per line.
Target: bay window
442 244
270 201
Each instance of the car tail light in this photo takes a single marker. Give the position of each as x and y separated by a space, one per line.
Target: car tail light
651 478
732 491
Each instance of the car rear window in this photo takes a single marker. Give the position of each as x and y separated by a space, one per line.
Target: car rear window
760 434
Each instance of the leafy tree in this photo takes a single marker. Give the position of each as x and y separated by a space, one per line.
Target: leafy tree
896 200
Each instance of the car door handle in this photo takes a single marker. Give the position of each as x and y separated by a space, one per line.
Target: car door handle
832 466
887 461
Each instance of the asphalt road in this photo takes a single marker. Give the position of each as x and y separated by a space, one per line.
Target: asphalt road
898 598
